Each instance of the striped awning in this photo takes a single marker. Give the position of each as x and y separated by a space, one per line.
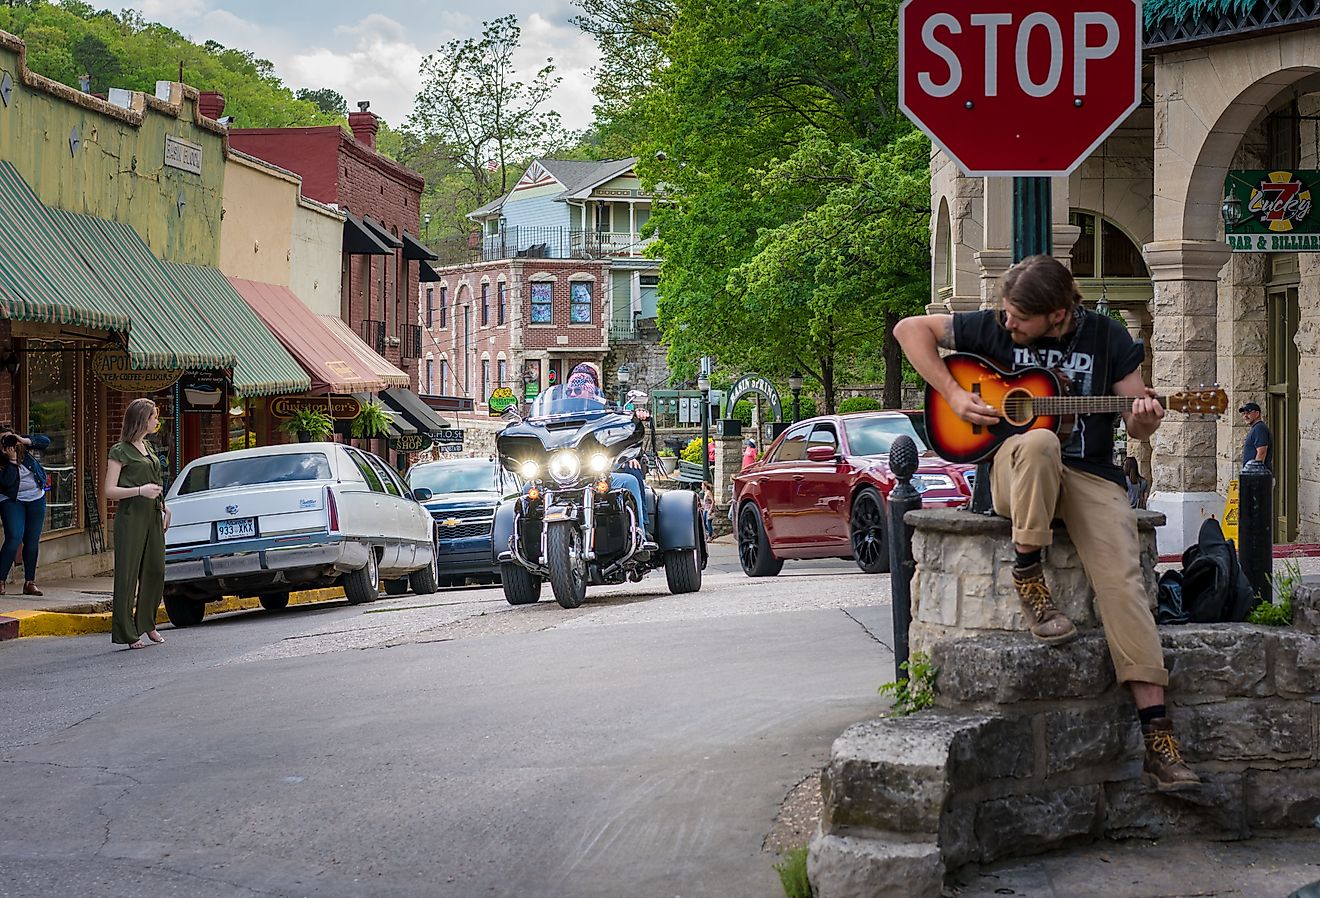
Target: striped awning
389 375
264 367
165 329
42 278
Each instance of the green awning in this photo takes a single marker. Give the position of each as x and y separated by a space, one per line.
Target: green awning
264 367
42 278
165 330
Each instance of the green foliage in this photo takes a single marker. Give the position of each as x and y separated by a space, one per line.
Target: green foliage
1279 612
917 692
795 228
692 451
792 872
742 411
859 404
312 421
473 110
125 50
330 102
372 421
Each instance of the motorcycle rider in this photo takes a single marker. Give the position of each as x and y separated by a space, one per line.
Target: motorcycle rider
584 383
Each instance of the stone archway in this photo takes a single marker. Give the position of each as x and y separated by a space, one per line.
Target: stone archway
1201 118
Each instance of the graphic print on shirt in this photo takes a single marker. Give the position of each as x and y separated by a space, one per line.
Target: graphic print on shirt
1080 371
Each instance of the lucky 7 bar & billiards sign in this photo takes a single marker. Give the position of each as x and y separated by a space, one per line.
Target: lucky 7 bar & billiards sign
1274 211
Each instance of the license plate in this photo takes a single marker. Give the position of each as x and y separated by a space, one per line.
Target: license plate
236 529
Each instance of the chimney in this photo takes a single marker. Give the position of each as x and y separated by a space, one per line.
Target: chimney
211 103
364 124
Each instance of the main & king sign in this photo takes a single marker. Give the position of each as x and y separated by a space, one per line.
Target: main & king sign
1276 211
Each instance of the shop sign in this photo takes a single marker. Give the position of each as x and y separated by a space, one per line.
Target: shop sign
411 442
449 448
450 435
183 155
113 368
202 391
501 400
341 408
1277 211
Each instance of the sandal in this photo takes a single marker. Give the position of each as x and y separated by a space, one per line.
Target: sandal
155 637
138 645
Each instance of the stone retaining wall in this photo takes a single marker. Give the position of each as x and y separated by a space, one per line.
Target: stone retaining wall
1033 747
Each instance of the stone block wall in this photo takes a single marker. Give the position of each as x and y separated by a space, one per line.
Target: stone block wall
1033 747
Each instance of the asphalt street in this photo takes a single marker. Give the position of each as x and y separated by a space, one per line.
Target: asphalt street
447 745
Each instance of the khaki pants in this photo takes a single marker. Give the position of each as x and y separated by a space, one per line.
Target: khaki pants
1032 487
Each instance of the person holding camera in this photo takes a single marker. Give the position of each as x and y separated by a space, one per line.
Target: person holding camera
133 479
22 505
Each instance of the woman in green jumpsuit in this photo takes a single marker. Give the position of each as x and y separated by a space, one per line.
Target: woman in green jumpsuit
133 479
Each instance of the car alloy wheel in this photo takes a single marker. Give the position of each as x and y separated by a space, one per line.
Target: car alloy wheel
867 526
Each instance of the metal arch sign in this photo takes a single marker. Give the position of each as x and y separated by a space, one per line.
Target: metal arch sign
754 383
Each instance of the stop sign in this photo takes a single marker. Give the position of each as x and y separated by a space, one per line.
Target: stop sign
1007 87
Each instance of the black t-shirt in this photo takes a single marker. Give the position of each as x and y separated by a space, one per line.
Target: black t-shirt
1258 436
1096 364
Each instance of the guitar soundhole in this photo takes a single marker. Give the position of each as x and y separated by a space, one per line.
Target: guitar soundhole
1018 407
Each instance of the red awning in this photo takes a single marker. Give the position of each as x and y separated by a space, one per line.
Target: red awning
336 360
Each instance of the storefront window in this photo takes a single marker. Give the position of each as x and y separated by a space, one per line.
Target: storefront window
50 380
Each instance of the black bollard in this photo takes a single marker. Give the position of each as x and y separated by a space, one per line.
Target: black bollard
1256 527
902 499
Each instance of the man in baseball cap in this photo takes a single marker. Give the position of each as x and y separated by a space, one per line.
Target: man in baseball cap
1259 445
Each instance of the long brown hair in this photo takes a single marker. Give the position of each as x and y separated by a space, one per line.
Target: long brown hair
135 419
1039 285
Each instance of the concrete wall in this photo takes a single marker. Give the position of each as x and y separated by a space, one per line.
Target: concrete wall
317 254
257 229
118 169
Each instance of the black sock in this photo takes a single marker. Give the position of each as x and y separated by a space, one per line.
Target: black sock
1146 715
1027 559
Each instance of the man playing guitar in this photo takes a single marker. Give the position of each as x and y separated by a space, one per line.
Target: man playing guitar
1035 478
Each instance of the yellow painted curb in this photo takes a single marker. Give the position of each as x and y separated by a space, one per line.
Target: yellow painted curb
58 623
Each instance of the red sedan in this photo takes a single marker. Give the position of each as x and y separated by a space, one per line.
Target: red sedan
820 491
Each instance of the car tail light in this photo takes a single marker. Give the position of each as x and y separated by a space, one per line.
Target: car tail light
331 509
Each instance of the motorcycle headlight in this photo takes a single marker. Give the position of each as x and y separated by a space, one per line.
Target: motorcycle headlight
529 470
564 466
600 463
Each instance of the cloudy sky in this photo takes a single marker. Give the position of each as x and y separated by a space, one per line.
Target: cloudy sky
372 51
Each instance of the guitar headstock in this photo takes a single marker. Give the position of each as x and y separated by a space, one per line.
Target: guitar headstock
1198 402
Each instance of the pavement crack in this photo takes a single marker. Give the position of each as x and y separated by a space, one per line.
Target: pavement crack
866 629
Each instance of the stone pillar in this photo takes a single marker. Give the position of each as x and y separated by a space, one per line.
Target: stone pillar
1141 326
1185 275
728 461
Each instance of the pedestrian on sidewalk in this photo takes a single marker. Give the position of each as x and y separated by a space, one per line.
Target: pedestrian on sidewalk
1259 445
1035 477
133 479
749 453
22 505
708 508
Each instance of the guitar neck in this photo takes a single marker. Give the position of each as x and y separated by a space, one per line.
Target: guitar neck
1086 405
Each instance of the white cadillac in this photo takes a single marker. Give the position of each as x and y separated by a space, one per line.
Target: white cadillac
261 522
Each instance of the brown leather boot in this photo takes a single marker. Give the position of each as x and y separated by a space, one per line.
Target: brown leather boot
1164 767
1051 626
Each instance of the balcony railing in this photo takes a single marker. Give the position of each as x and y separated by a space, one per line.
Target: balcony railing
542 243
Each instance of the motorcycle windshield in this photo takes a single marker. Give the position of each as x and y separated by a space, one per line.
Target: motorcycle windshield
558 402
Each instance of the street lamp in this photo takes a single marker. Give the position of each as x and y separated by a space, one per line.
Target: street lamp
1231 209
426 223
795 386
623 375
703 384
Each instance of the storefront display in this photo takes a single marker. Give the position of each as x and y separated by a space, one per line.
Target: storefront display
51 374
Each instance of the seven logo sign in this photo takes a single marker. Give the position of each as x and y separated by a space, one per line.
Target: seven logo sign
1005 90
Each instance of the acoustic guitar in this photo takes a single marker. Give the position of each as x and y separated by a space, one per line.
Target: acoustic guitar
1029 399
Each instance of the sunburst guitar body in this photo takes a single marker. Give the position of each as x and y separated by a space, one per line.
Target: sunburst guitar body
1029 399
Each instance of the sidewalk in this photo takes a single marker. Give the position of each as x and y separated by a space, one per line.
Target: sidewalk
77 607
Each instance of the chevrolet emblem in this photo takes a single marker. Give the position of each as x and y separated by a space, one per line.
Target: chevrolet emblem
450 522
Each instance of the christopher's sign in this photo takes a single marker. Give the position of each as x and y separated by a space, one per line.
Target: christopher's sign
341 408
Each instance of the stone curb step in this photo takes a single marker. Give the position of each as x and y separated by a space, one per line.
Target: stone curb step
17 624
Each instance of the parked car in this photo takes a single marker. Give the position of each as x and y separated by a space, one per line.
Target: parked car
821 490
464 495
261 522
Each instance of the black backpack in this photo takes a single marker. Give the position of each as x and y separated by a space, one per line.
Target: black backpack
1211 587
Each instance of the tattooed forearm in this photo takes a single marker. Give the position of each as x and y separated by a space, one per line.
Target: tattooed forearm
945 340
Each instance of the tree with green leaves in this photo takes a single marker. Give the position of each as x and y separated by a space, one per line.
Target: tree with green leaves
331 102
474 115
794 226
